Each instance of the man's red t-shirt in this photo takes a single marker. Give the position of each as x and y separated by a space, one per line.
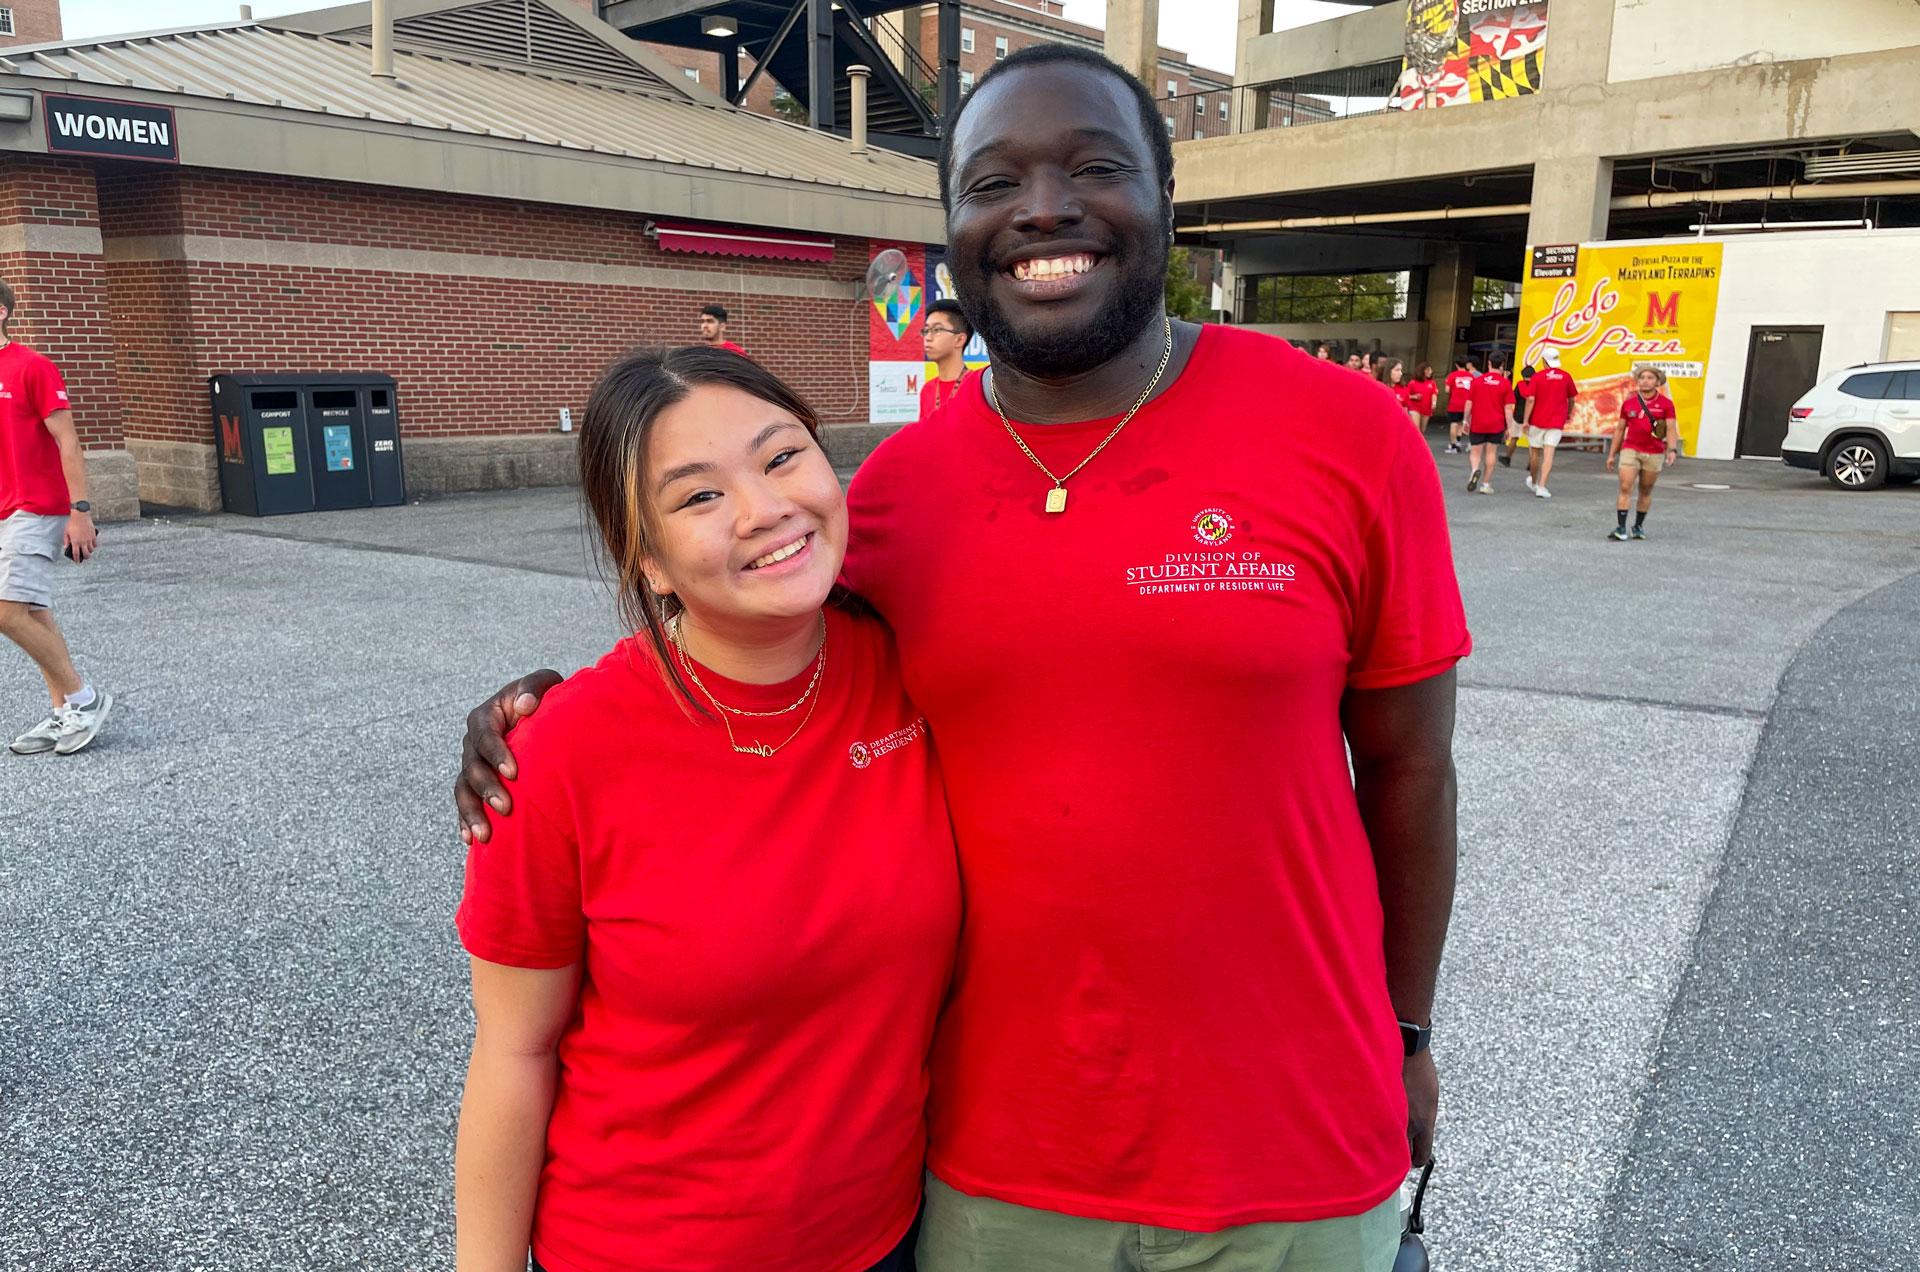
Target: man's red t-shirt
732 348
1459 384
936 393
1491 394
1422 395
765 945
31 478
1170 1005
1637 416
1553 391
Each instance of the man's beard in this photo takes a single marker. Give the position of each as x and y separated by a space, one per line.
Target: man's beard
1061 353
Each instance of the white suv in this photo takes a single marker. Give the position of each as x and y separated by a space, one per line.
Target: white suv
1861 426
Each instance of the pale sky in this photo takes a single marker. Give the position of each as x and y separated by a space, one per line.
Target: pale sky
1202 28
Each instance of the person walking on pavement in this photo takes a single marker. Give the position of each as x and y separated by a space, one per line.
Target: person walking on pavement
1422 396
944 337
44 514
713 329
1297 927
1459 385
1647 441
1522 399
1548 408
1392 373
1489 418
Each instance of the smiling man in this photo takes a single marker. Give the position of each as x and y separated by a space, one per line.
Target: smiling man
1149 614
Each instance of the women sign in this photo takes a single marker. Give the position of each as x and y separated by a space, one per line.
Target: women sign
1609 308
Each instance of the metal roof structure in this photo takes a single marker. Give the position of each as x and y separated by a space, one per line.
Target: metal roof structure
520 72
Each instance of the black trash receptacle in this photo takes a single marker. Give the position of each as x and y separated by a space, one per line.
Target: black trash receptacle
301 443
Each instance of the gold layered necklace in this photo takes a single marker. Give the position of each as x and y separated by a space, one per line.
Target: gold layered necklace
1057 497
808 697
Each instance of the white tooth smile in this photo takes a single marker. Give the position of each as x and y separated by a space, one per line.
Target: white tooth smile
1048 267
778 555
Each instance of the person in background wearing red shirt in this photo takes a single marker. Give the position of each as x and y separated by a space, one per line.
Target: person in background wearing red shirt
1175 1002
44 514
710 948
944 336
1459 384
1548 408
1392 373
1647 440
713 329
1522 396
1357 362
1489 418
1323 352
1422 396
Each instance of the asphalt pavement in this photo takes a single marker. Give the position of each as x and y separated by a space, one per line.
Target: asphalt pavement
1676 1019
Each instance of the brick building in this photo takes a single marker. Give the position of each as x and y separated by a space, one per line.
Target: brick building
29 22
490 226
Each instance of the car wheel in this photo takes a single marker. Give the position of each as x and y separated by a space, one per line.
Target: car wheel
1858 463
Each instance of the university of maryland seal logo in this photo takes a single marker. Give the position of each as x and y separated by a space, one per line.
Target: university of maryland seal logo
1212 527
860 755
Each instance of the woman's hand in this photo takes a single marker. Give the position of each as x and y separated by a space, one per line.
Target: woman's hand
485 757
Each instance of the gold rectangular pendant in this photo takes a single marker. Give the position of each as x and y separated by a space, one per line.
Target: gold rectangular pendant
1057 499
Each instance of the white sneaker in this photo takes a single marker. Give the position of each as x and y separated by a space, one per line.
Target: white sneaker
1529 481
80 725
1542 492
39 739
1486 490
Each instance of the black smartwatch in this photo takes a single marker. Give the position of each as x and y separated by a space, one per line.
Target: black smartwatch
1416 1038
81 505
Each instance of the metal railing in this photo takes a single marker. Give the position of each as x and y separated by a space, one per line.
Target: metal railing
921 74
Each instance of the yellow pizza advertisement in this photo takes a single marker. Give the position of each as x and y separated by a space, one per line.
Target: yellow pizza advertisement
1609 309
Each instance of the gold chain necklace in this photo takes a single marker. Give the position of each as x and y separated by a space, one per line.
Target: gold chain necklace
1057 497
761 749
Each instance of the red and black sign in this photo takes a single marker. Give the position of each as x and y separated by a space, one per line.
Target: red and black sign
1558 260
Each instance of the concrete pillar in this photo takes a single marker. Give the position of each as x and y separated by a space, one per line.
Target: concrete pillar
1133 39
1579 43
1449 303
820 65
1570 196
1252 107
949 64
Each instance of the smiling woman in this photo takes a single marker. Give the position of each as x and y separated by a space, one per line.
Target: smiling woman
709 951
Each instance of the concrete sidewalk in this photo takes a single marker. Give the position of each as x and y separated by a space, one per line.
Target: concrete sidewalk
235 1020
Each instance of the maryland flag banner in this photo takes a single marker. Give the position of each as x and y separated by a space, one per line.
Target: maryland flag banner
1471 51
1611 309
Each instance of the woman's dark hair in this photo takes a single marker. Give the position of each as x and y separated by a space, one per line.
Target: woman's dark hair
1424 371
1383 368
615 437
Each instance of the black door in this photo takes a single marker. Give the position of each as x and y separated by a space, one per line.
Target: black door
1782 364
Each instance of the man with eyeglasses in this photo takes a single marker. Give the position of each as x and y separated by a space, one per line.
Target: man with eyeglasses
944 336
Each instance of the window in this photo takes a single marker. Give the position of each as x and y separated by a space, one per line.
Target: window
966 82
1492 294
1199 105
999 47
1198 132
1873 385
1906 387
1173 88
1334 297
1223 108
1169 123
966 39
691 72
6 21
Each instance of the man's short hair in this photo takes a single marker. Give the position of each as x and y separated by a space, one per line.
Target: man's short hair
1460 364
6 298
951 308
1496 361
1151 123
716 312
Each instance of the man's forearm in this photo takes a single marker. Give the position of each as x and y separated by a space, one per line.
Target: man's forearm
73 463
1408 807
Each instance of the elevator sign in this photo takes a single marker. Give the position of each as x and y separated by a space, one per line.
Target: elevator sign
122 130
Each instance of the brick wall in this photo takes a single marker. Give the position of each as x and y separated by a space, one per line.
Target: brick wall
34 22
475 355
61 292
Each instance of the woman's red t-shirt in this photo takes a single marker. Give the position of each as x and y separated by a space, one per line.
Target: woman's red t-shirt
1422 396
1637 416
765 944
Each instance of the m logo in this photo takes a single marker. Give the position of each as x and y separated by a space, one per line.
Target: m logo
1663 314
231 450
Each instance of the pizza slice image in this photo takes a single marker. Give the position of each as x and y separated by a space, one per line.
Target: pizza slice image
1596 411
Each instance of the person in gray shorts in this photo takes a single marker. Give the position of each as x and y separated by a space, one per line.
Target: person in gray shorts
44 514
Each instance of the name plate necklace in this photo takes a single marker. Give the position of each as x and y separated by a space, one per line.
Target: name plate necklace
1057 497
762 749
